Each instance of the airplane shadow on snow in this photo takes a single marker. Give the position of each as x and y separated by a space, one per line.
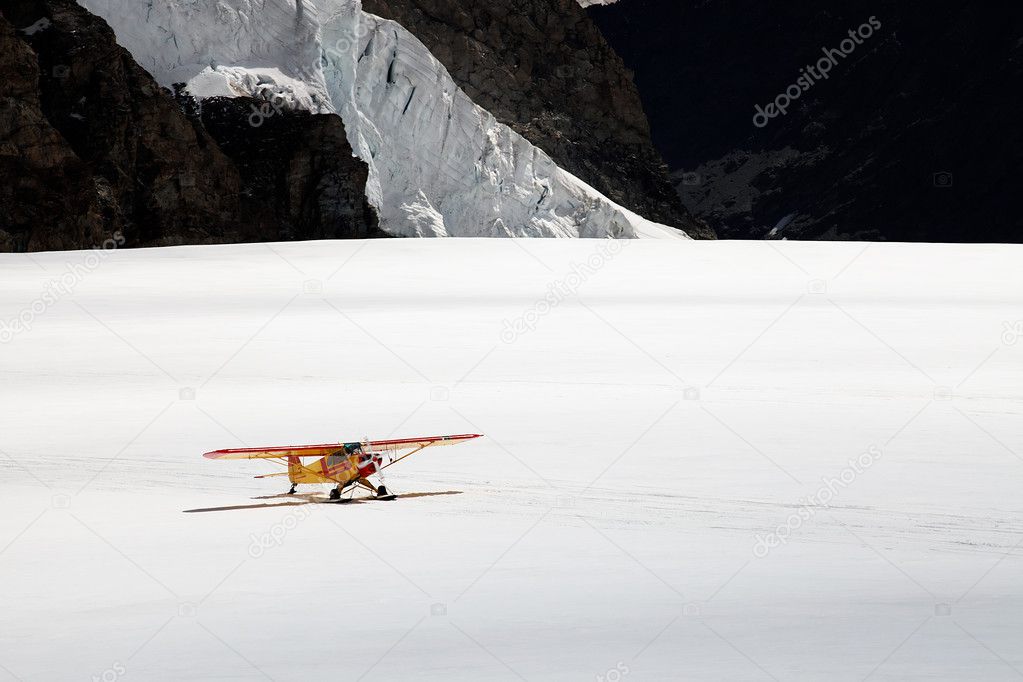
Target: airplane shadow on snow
311 498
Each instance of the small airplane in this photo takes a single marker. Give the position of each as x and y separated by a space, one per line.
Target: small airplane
348 465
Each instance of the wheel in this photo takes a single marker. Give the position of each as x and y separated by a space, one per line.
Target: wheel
335 494
292 491
381 491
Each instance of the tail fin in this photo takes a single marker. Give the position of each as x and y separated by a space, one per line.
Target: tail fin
295 471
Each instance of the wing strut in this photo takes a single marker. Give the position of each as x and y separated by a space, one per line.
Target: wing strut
408 454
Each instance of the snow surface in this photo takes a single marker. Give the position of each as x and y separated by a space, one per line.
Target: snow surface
439 164
672 402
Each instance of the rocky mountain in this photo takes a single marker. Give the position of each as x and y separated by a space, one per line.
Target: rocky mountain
93 146
44 179
196 122
299 177
882 119
543 68
440 163
87 139
873 120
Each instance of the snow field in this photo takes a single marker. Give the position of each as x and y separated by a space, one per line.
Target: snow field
654 417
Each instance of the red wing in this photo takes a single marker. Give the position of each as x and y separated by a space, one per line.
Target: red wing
395 445
276 452
417 443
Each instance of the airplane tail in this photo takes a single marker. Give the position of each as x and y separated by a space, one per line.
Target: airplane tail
296 472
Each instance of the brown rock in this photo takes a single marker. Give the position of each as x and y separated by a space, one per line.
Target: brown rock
91 145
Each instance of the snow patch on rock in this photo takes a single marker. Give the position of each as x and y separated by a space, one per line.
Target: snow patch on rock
283 92
439 164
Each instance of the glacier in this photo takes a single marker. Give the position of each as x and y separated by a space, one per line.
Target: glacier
439 165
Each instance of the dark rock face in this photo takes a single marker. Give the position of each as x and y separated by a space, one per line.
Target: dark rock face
299 177
92 146
44 182
152 175
33 154
542 68
913 136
